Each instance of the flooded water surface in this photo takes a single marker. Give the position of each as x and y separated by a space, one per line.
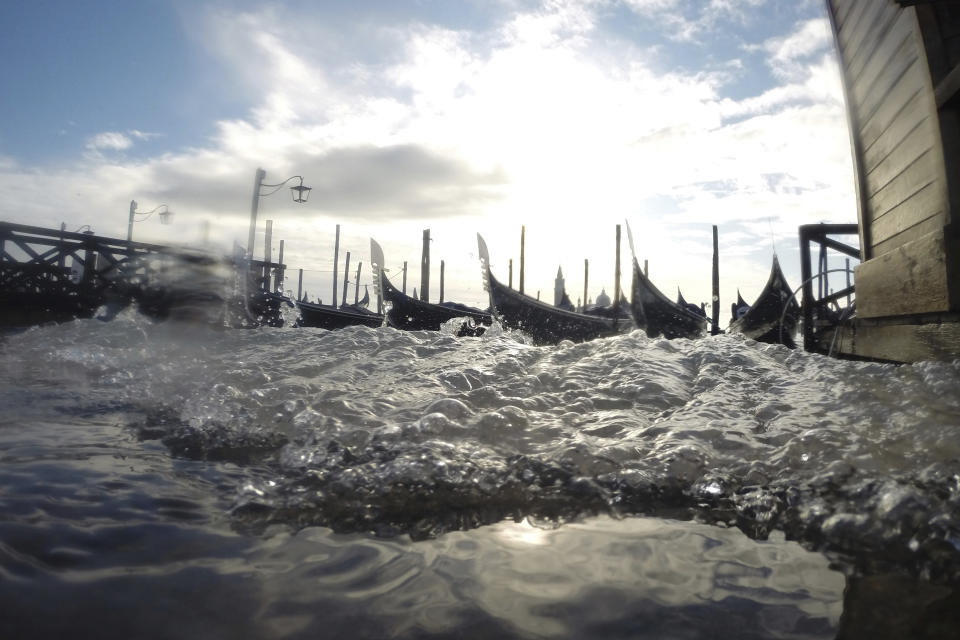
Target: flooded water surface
160 480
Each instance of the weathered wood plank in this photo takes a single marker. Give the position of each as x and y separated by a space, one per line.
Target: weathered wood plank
909 98
866 31
879 32
892 231
907 192
912 162
841 10
892 61
905 343
911 279
880 143
848 30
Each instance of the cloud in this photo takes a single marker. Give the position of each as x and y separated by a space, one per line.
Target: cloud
143 135
378 183
109 140
790 54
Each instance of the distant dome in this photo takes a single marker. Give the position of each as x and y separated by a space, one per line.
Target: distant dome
603 300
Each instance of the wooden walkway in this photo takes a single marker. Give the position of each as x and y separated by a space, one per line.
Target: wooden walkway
56 275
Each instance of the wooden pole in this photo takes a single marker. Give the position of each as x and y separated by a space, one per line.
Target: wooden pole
356 292
62 258
586 277
646 272
346 274
441 280
267 256
267 242
848 279
404 277
300 286
523 232
425 267
716 283
336 259
278 274
510 281
616 274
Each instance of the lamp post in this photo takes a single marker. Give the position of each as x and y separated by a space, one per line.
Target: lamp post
299 192
165 216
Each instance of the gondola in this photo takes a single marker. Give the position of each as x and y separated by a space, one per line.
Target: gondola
326 317
700 311
774 317
544 323
738 308
657 314
411 314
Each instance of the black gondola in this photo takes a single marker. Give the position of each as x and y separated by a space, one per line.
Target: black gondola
326 317
544 323
410 314
657 314
700 311
774 316
739 308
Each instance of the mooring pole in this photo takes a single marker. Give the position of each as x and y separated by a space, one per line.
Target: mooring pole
523 233
356 292
510 281
616 275
346 275
404 277
425 267
716 283
278 274
336 258
264 278
646 272
300 286
586 277
441 280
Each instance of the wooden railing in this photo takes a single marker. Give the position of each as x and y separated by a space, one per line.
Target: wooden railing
58 273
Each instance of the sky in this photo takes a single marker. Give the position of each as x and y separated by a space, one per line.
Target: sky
565 117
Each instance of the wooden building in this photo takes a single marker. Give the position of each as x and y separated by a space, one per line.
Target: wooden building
899 62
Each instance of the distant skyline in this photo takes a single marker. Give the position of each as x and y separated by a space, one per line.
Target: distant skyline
566 116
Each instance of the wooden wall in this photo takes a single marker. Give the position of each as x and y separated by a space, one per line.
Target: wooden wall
903 147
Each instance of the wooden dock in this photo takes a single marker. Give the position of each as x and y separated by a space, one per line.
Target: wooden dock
900 64
55 275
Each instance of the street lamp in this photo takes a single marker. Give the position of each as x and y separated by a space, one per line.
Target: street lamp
299 192
165 216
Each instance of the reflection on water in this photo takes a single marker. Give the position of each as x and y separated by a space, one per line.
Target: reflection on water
103 536
169 481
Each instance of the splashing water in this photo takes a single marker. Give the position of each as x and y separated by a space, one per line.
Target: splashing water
375 431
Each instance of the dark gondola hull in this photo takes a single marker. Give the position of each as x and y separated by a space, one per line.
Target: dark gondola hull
660 316
410 314
324 317
544 323
775 315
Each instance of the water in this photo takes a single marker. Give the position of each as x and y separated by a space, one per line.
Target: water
163 480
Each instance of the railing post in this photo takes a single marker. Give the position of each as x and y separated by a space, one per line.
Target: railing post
806 275
89 257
